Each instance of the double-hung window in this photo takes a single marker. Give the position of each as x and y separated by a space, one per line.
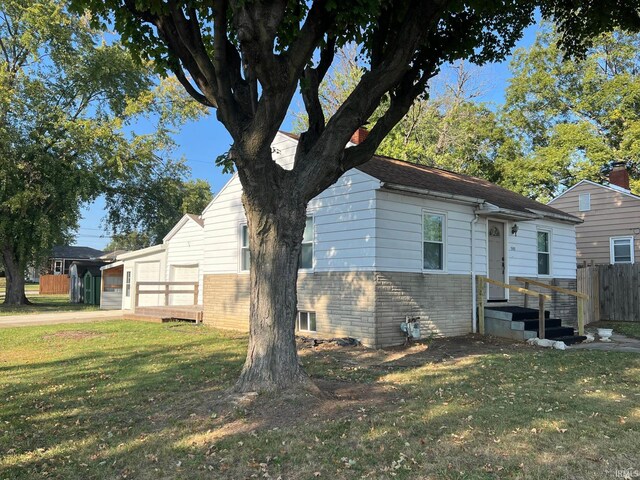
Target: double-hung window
621 249
433 228
127 284
306 254
544 253
245 256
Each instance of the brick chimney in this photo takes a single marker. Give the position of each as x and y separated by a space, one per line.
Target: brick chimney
619 175
359 135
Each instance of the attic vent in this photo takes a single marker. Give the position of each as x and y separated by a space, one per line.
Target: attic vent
585 202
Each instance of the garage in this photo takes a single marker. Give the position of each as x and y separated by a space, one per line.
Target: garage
183 273
148 272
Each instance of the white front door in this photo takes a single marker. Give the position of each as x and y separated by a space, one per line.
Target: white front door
496 260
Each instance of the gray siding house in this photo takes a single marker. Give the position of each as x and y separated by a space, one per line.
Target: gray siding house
611 219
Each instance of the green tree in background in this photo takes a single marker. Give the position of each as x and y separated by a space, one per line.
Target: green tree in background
572 117
151 201
67 99
448 129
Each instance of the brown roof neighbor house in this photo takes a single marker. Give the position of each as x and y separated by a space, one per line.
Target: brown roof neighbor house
611 218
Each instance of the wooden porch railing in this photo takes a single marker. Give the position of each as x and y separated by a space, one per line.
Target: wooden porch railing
580 297
166 291
482 300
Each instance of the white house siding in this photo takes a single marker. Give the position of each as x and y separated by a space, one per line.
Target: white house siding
186 248
523 252
399 234
344 222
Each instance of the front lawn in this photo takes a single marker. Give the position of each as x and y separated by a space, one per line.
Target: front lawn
121 399
45 304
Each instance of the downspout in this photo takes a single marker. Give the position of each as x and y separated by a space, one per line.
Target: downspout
474 299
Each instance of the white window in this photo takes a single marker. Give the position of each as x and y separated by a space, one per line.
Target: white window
544 253
306 254
433 227
127 283
621 249
245 255
57 267
584 203
307 321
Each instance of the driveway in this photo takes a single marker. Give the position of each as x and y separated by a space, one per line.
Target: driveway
59 317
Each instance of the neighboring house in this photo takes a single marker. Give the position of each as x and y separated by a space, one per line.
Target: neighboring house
389 239
62 257
177 259
611 218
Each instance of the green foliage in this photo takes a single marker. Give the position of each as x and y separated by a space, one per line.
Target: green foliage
129 241
151 199
68 100
572 117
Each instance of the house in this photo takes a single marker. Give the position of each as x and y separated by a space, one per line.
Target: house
178 259
62 257
610 215
389 239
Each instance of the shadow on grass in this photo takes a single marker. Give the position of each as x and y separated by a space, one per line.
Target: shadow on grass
149 401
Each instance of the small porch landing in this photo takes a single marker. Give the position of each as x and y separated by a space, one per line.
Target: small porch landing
161 314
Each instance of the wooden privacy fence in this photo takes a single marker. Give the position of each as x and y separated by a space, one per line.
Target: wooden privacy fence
589 283
164 288
616 291
54 285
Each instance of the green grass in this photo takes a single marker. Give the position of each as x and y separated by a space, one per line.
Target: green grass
135 400
45 304
630 329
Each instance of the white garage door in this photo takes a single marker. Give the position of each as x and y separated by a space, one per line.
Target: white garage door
149 272
183 273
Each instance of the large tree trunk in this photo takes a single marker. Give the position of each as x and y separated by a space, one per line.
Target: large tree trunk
275 237
14 288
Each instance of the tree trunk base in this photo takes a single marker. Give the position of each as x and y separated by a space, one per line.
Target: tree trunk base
255 380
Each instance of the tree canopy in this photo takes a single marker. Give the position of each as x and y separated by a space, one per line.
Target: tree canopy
247 59
68 99
573 118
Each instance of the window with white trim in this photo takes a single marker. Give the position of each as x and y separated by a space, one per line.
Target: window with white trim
621 249
306 321
584 202
306 253
544 253
57 267
433 227
245 255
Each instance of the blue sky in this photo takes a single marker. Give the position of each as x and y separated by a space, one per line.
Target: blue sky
201 142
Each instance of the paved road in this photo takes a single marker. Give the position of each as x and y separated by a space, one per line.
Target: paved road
59 317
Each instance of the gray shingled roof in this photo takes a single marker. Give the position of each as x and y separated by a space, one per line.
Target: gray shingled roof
74 252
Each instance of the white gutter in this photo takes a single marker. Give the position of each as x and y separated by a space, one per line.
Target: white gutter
141 252
559 216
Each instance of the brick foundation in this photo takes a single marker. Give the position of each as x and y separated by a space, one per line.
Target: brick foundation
368 306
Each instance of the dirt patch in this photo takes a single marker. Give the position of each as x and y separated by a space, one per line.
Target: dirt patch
72 335
348 399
